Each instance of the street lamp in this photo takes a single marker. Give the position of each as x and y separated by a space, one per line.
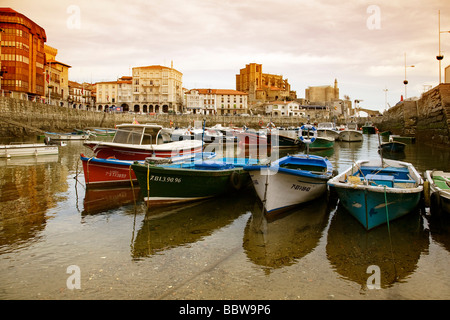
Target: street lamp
405 82
385 98
439 57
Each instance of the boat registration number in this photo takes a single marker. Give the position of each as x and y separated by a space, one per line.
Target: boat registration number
164 179
300 188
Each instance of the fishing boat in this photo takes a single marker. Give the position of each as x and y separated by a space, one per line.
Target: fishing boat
327 130
378 191
134 141
207 135
290 181
71 136
100 172
26 149
314 142
351 133
392 146
402 139
439 188
368 128
169 184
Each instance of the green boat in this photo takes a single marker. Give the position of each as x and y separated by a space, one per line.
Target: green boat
170 184
368 128
322 143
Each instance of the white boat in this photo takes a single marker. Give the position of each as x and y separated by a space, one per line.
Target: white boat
134 141
439 188
327 130
66 136
351 133
208 135
26 149
290 181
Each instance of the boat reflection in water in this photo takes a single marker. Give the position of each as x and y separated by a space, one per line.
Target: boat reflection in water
103 199
164 228
282 240
351 249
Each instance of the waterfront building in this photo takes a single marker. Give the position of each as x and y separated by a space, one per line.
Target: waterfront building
106 95
56 78
263 87
284 108
216 101
22 56
157 89
447 74
322 94
80 95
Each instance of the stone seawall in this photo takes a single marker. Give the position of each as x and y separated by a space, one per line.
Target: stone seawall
62 119
426 119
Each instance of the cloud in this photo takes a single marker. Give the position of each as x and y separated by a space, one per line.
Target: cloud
308 42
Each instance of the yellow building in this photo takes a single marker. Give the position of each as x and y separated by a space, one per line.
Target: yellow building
56 78
322 94
263 87
157 89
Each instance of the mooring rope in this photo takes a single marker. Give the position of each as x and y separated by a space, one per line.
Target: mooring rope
389 231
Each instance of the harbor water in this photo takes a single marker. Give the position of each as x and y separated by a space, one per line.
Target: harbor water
52 228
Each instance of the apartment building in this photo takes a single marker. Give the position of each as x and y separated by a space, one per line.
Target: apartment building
80 95
157 89
56 78
22 55
216 101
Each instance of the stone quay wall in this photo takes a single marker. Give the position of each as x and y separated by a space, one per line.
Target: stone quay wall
427 119
23 118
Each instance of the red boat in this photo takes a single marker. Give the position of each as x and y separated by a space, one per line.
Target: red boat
106 172
139 141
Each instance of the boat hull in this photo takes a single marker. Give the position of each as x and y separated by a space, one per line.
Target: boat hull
439 191
322 143
28 149
376 194
392 146
350 136
163 185
290 181
105 172
368 129
369 207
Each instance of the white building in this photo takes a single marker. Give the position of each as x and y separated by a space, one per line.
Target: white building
216 101
106 95
284 108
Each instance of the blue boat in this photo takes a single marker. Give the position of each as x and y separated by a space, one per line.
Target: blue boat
378 191
290 181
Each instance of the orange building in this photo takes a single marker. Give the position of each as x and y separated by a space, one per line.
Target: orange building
22 55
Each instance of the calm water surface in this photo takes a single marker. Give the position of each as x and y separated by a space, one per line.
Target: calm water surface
222 248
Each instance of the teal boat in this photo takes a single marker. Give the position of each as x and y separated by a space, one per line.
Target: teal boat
308 135
169 184
378 191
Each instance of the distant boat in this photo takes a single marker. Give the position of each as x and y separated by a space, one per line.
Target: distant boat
351 133
378 191
392 146
322 143
398 138
27 149
207 135
368 128
66 136
290 181
439 187
327 130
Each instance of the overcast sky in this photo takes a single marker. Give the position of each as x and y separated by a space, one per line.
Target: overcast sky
360 43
